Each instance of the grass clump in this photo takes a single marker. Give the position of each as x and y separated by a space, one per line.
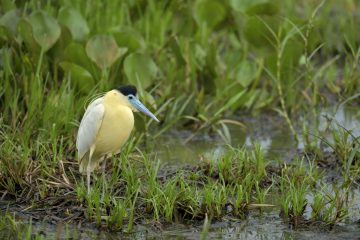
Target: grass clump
330 206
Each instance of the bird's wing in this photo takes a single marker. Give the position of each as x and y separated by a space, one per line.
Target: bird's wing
89 126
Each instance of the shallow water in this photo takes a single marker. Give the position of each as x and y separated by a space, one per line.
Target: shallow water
271 132
274 136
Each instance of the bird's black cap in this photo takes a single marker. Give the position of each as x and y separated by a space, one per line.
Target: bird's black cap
127 90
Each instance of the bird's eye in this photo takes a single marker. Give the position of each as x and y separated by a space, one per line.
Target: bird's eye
131 97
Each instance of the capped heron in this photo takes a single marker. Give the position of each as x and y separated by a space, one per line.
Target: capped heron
106 126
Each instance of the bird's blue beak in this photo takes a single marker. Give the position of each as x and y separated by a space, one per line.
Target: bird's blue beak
139 106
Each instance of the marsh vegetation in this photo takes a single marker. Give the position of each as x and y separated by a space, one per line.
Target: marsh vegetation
208 69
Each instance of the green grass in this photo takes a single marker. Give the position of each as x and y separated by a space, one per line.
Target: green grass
136 191
195 71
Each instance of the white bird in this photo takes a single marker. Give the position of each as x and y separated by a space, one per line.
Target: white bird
106 126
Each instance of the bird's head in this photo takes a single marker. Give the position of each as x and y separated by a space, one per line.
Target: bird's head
127 96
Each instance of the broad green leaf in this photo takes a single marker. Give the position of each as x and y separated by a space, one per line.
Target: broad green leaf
57 51
128 37
75 22
46 30
25 30
209 12
244 73
10 20
140 69
82 79
75 53
103 50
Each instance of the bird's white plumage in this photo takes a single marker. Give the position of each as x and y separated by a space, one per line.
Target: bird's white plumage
89 126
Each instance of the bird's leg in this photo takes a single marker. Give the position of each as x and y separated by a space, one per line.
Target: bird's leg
88 172
103 168
88 181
